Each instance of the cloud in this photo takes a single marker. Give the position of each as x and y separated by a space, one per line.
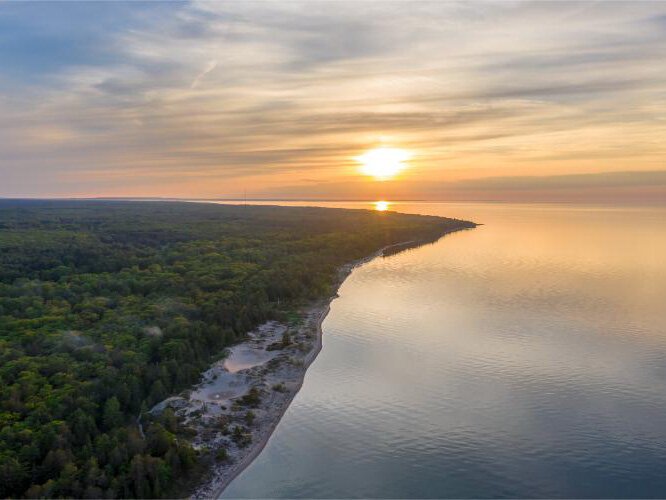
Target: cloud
593 180
265 93
209 67
624 187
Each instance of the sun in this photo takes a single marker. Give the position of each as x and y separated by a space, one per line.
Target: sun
383 163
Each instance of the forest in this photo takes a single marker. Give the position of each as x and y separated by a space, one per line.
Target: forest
108 307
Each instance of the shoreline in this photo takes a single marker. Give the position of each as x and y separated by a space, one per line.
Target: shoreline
224 474
321 311
257 447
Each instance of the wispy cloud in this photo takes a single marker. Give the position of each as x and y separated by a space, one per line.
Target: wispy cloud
646 187
209 67
267 93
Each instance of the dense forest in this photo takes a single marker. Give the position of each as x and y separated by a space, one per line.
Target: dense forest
108 307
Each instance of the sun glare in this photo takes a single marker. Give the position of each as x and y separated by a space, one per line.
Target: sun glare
383 163
382 206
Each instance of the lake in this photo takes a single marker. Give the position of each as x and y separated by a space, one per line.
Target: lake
523 358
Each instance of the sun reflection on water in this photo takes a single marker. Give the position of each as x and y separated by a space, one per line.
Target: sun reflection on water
382 206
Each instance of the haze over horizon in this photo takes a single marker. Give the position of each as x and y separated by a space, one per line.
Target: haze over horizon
510 101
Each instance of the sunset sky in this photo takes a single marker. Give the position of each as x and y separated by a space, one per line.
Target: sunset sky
278 99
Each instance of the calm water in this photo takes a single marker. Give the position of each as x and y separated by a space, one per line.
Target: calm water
524 358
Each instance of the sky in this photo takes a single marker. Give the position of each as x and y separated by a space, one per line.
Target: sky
501 100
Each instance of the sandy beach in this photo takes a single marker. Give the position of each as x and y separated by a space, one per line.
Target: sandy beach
242 397
271 409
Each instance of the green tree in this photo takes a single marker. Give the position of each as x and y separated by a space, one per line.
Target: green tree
107 308
113 417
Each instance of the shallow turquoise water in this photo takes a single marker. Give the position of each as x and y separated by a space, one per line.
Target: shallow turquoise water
524 358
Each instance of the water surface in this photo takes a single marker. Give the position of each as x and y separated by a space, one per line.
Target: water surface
524 358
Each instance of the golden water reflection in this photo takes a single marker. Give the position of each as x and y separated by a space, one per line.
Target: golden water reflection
539 334
382 206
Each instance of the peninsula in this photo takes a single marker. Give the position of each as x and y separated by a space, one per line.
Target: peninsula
110 311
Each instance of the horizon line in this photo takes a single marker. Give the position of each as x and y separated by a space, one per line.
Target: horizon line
336 200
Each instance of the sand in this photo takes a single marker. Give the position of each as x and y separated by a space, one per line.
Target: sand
214 408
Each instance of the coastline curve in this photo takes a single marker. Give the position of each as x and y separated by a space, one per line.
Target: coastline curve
215 487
